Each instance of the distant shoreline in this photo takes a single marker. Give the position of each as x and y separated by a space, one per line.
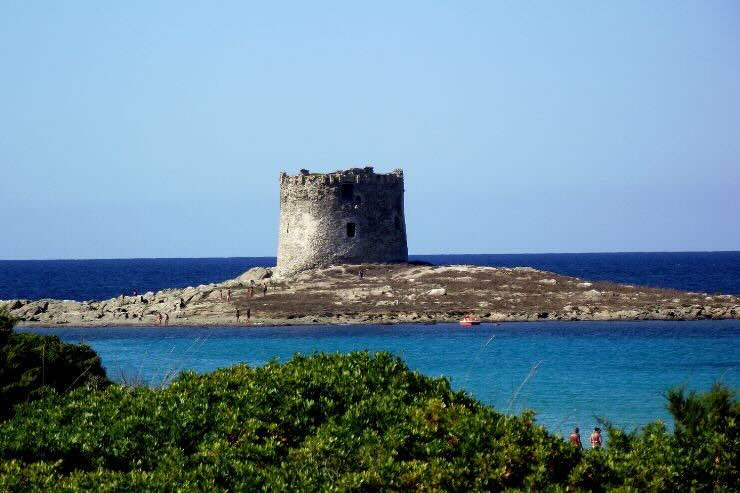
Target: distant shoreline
384 294
31 327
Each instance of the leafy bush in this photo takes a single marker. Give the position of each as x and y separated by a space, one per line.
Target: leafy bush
335 422
7 322
702 454
31 365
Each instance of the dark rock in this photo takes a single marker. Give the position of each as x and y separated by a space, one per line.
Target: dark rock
15 305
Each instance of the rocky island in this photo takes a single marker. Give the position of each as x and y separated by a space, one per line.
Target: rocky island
384 293
343 258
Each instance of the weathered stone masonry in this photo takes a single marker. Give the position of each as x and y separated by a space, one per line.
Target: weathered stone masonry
345 217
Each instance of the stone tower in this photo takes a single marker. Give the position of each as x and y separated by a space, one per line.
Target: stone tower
345 217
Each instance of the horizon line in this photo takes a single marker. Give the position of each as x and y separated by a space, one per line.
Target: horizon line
410 255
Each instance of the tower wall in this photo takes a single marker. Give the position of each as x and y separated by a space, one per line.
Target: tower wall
346 217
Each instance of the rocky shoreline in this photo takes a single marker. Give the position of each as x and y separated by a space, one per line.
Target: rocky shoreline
385 293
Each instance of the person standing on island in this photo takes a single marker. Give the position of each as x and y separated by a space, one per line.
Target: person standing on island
166 318
159 318
575 438
237 315
228 295
264 289
596 438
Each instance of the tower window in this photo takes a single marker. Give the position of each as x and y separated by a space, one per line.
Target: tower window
350 230
347 192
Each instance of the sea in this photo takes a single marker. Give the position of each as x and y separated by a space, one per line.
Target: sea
710 272
571 373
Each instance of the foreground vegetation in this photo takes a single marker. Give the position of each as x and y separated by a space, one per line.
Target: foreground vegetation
32 365
326 422
343 422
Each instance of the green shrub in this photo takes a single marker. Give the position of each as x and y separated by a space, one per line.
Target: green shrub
355 422
32 365
702 454
7 322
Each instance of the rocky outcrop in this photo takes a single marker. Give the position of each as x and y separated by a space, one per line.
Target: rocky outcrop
393 293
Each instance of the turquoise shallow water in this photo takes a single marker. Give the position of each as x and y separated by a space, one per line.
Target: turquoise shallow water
616 370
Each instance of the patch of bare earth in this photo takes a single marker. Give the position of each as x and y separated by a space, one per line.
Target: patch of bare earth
388 294
397 293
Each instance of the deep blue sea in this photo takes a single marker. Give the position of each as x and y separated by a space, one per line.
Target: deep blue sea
712 272
584 370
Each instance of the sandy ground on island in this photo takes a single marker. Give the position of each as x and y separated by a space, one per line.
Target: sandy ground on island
385 293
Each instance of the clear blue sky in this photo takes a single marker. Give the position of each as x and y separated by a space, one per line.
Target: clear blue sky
158 129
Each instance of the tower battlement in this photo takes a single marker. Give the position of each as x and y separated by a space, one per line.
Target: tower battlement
348 216
354 175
